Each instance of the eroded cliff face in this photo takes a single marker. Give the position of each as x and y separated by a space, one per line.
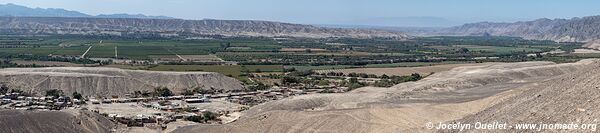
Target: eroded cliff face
95 81
123 26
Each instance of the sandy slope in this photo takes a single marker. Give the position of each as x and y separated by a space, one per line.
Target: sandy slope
98 81
444 96
572 97
16 121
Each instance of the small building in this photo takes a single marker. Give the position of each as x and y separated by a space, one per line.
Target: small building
108 101
114 100
94 101
37 98
194 100
76 101
139 99
49 98
176 97
192 96
6 100
124 100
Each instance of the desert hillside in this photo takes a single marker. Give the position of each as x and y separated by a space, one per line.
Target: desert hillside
97 81
73 121
407 107
176 27
572 97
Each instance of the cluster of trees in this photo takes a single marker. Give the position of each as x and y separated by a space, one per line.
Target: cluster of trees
141 94
393 80
77 95
353 83
5 89
361 75
10 64
162 92
54 93
165 92
158 92
7 64
50 58
204 118
287 80
258 86
188 92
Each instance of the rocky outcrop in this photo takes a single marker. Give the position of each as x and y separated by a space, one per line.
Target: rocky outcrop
91 81
177 27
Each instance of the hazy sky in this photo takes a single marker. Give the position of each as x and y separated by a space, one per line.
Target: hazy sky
332 11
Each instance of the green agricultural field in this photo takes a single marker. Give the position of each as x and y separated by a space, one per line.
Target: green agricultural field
34 51
267 51
264 68
129 48
403 64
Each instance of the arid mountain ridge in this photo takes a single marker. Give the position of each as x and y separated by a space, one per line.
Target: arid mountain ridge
17 19
23 11
583 29
177 27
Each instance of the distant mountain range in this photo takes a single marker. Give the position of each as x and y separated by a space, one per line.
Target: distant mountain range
140 16
15 19
177 27
23 11
583 29
416 21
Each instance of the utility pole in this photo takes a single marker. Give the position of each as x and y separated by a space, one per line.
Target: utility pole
116 55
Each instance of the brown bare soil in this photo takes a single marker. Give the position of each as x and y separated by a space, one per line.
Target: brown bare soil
569 98
17 121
